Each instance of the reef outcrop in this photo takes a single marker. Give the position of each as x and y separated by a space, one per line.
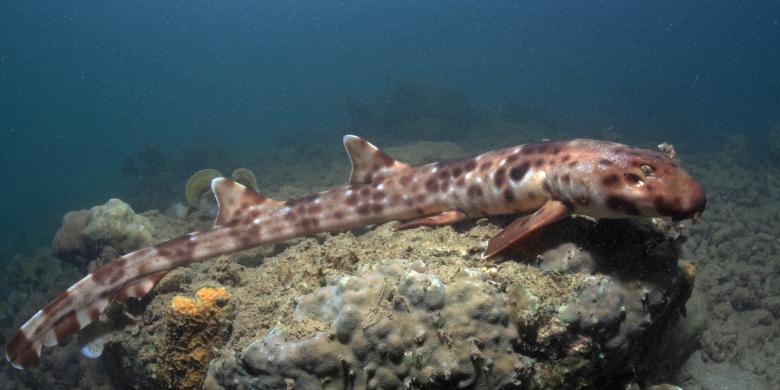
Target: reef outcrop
406 323
88 234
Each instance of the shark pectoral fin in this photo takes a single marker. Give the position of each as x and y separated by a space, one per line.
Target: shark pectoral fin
445 218
368 162
235 200
522 227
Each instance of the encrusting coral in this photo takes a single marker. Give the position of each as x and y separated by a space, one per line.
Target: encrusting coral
195 327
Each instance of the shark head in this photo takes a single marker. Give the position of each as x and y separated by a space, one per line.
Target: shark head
625 181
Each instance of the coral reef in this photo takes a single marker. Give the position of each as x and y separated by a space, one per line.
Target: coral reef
403 323
112 227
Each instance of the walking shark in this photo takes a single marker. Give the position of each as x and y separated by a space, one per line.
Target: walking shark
543 182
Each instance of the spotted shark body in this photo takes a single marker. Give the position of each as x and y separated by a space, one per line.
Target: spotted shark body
543 182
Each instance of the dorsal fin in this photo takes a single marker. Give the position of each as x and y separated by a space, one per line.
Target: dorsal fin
235 200
368 162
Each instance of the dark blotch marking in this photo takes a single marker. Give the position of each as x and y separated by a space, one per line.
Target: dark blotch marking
618 203
352 199
528 150
338 214
419 211
573 164
670 208
565 157
431 184
499 177
470 165
290 215
566 179
605 162
485 166
610 180
539 162
62 298
456 172
511 159
394 199
444 184
383 158
309 223
66 327
509 196
474 190
518 172
20 351
315 208
377 208
555 150
378 195
444 173
406 179
363 209
460 182
365 192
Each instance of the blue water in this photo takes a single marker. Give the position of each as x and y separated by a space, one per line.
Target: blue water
83 85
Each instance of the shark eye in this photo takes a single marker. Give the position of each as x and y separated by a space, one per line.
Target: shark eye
646 169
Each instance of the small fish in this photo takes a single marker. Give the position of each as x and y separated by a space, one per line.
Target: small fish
543 182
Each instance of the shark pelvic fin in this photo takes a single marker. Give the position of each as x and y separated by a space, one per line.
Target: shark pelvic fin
235 200
140 287
369 164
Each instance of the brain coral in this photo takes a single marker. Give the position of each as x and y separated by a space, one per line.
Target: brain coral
86 234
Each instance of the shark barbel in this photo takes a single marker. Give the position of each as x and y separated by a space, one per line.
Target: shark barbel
543 182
